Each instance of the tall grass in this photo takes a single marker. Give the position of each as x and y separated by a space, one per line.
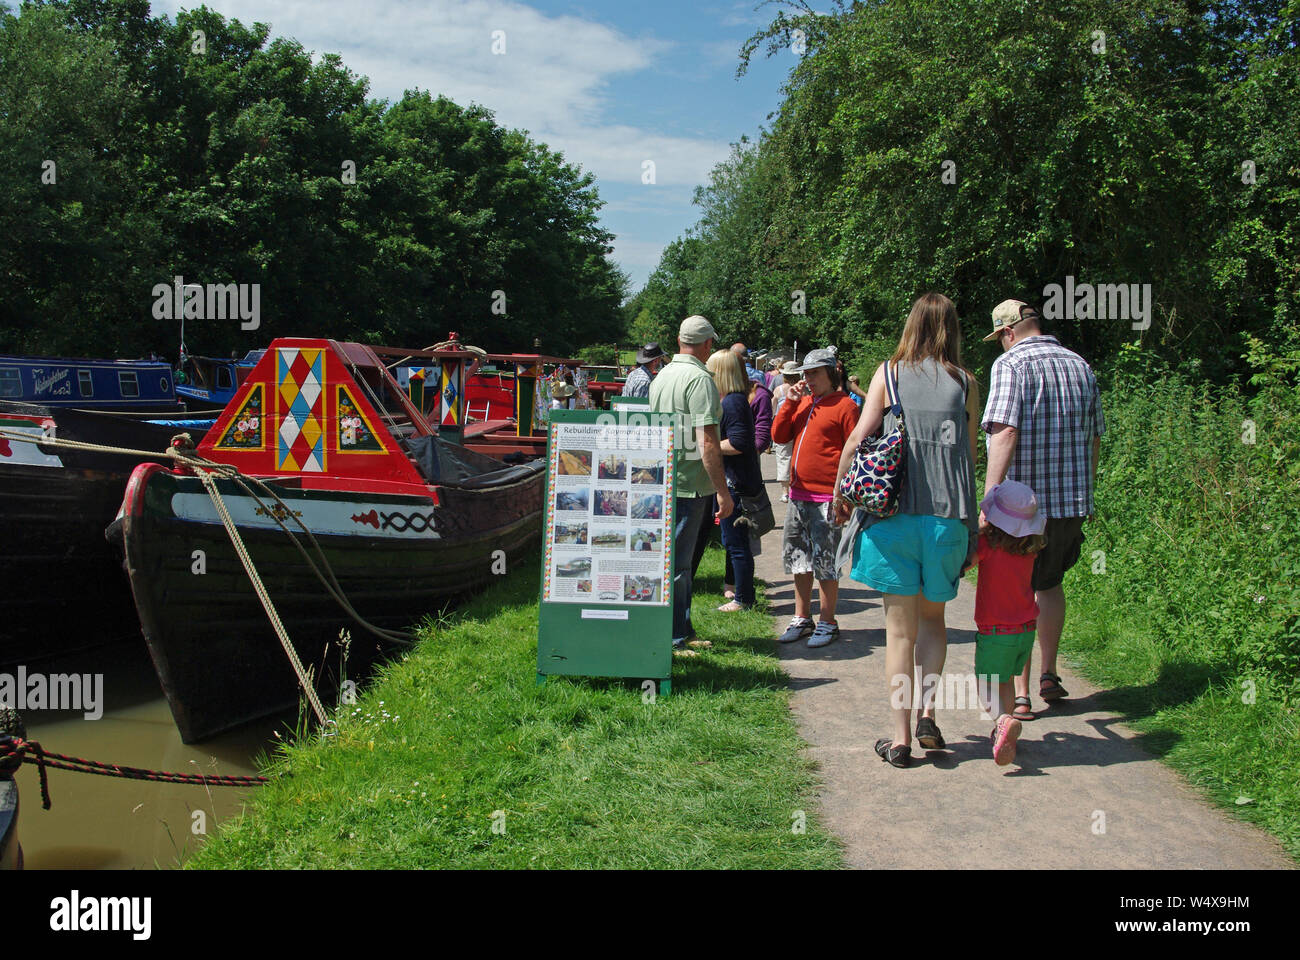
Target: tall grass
1186 601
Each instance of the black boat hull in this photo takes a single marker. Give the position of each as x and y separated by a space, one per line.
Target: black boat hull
216 654
54 503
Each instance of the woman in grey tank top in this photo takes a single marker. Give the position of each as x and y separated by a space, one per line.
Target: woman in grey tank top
916 557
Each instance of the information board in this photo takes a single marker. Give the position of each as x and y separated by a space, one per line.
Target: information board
607 558
621 402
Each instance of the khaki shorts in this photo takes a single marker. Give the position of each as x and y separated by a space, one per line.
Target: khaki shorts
1064 543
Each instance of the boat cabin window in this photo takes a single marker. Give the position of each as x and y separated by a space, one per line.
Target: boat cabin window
11 382
85 384
224 380
130 385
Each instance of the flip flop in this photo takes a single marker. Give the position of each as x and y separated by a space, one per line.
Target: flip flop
1027 705
1005 735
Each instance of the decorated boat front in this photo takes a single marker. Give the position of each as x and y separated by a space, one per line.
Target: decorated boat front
386 518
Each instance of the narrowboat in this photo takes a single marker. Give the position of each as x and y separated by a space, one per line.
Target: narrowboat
210 382
404 517
118 385
54 503
504 406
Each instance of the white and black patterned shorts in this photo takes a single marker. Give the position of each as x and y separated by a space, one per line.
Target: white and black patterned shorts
810 540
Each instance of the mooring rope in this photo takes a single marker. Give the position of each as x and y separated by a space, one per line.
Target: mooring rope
15 751
327 578
204 469
308 688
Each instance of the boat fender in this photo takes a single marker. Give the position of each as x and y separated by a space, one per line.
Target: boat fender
183 442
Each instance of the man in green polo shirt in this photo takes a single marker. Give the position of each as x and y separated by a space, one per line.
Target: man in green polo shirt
684 386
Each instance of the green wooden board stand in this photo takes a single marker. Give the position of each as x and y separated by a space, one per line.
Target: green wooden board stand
604 636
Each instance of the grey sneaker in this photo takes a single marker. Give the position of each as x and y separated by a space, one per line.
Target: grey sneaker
798 629
824 634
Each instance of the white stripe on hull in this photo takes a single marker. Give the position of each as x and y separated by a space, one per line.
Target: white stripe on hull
360 518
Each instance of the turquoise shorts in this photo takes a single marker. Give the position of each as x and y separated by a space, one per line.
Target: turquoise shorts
909 554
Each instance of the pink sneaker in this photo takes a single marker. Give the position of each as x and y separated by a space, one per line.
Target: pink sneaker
1005 735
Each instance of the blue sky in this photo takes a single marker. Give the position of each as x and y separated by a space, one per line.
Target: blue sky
610 84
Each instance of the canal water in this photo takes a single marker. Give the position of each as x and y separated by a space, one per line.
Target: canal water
107 823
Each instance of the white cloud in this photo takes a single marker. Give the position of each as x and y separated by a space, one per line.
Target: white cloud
550 79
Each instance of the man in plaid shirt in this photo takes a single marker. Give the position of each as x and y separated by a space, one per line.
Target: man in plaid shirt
1044 425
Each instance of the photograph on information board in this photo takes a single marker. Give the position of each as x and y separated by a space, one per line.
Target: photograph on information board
608 522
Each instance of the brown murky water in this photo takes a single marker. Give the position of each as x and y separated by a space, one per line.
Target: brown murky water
103 823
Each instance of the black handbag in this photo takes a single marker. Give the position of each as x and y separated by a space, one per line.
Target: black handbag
757 514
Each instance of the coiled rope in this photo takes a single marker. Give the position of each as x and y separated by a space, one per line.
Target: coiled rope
15 751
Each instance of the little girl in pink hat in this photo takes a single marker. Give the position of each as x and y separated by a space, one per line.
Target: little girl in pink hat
1006 614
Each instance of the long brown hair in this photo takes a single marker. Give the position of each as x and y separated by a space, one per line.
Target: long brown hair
932 331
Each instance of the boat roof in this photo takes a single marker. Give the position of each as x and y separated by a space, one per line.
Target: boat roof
247 360
511 358
313 407
82 361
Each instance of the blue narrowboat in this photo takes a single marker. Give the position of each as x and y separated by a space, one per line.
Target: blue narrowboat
145 385
212 381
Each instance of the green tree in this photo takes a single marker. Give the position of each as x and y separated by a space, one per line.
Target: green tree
223 155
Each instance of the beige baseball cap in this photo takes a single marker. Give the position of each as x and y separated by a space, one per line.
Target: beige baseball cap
1008 313
696 330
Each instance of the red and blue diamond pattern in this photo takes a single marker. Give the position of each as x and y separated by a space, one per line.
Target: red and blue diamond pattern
300 433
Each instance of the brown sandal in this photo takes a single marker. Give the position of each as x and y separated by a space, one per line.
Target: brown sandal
1049 688
1024 709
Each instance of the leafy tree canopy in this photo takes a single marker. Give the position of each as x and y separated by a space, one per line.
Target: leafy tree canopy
134 149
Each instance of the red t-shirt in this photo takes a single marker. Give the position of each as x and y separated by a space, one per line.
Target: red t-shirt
1005 594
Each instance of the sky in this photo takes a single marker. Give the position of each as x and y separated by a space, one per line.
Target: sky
611 84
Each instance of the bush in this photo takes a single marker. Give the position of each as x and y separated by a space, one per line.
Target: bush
599 355
1198 514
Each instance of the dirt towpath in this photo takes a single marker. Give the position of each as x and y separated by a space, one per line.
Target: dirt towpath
1076 768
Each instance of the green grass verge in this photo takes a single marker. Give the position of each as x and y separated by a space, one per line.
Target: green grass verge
585 772
1190 713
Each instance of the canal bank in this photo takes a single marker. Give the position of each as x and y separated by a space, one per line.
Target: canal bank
454 757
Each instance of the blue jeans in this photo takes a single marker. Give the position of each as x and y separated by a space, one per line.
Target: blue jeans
741 555
689 516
